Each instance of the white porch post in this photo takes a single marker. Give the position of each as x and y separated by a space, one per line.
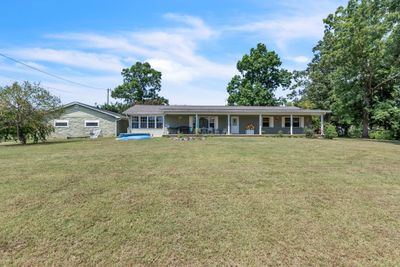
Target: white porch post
197 124
140 122
260 121
291 124
130 124
322 124
163 124
229 124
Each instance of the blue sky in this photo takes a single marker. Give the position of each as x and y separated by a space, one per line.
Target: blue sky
195 44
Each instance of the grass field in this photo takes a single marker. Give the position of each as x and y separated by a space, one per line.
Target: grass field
222 201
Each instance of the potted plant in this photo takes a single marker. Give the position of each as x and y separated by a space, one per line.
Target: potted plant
250 129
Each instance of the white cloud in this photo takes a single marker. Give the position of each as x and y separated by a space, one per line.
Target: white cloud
172 50
300 59
188 75
285 29
70 57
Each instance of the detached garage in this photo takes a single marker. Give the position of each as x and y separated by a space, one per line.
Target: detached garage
82 120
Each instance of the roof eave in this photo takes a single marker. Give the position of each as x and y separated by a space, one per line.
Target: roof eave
92 108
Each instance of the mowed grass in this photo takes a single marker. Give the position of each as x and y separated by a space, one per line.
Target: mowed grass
222 201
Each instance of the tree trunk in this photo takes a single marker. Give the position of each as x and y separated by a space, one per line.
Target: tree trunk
20 135
365 132
22 139
367 102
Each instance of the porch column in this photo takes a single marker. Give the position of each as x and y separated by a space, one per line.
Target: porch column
163 124
322 124
260 120
229 124
291 124
197 124
130 124
140 122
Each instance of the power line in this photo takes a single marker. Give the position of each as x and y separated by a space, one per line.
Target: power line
41 85
48 73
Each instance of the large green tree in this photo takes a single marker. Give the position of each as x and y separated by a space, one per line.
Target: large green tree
25 111
356 67
260 76
141 84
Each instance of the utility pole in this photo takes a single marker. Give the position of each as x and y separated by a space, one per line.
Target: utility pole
108 96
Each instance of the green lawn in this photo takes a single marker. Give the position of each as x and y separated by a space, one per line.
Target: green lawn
222 201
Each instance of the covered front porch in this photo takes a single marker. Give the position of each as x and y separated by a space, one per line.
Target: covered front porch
233 124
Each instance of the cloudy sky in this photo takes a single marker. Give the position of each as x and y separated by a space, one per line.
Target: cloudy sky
194 44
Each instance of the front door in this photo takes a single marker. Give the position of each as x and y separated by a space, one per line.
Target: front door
234 124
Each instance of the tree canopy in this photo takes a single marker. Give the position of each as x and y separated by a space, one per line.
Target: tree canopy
115 107
25 111
356 67
141 84
260 76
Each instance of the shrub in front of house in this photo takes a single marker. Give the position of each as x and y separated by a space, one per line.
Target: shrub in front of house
381 134
355 132
309 132
330 131
280 133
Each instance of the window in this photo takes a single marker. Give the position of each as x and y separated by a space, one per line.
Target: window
135 122
265 122
234 121
212 122
287 122
296 122
152 122
159 121
91 123
60 123
143 122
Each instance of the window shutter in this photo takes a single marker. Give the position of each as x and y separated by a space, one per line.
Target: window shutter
302 122
283 122
271 122
190 121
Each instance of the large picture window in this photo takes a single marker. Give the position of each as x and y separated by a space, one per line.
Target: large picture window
159 121
152 122
147 122
135 122
296 122
143 122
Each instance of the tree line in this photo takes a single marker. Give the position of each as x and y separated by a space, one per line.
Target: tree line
355 73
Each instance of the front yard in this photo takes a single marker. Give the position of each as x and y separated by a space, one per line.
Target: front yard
222 201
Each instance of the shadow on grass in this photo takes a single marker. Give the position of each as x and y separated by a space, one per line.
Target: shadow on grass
394 142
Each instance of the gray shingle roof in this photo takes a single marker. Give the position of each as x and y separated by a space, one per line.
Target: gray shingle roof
110 113
189 109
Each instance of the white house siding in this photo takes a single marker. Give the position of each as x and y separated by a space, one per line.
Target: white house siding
154 132
76 116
